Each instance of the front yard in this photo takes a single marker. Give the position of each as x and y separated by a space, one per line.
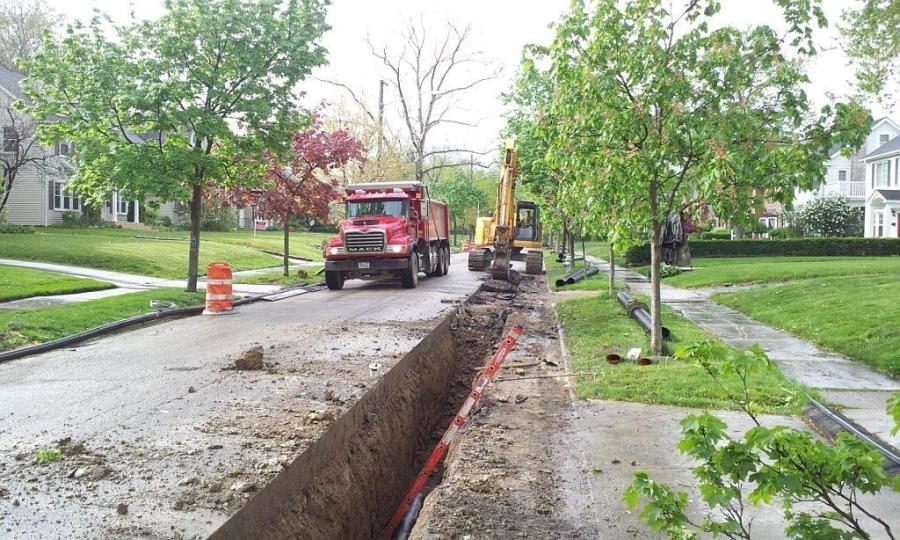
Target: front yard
595 325
17 283
744 270
153 253
853 315
29 326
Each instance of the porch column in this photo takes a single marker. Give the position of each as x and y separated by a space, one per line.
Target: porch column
137 212
115 206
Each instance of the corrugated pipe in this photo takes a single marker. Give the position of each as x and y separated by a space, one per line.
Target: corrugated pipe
638 311
409 520
109 328
577 275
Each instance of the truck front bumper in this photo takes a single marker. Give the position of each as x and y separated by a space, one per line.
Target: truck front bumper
365 265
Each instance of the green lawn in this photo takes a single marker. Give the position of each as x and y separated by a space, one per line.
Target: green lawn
276 277
741 270
853 315
29 326
130 251
16 283
597 325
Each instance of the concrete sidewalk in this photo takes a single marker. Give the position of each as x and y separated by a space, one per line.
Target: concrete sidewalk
861 391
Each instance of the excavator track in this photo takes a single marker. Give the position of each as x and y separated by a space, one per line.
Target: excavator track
534 262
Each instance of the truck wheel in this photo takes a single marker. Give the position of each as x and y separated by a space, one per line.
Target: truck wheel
410 277
445 259
439 267
334 279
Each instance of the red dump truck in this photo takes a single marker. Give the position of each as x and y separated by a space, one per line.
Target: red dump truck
391 230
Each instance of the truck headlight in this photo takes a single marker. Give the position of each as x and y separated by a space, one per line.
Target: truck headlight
336 250
397 248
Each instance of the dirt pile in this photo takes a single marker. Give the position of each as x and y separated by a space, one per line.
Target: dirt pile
250 360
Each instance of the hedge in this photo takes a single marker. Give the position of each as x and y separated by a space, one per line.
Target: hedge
792 247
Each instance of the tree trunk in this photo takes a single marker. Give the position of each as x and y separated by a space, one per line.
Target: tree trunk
287 247
612 271
570 257
683 254
655 304
194 253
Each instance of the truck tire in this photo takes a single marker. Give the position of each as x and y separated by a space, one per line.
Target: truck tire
334 279
534 263
439 267
410 277
432 262
445 259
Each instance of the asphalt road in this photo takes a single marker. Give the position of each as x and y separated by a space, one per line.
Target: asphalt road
156 411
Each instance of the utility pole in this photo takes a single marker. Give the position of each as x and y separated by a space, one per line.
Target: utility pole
381 85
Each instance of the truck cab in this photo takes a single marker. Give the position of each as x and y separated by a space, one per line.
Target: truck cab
391 230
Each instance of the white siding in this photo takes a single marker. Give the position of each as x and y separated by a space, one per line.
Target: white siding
874 138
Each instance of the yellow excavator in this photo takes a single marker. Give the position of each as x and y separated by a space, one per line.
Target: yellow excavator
513 233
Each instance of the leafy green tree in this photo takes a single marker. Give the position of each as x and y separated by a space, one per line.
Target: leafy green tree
461 194
873 44
171 106
830 216
22 27
655 112
765 465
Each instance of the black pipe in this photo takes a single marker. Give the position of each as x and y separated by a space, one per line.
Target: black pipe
409 520
109 328
638 312
577 275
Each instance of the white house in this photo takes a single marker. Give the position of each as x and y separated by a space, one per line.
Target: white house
883 190
847 176
39 195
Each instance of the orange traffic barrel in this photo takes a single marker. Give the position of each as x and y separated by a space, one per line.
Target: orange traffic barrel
218 289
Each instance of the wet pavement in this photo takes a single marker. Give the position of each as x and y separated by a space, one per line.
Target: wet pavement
798 359
161 425
55 300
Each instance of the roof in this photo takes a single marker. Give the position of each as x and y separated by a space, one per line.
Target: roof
889 194
835 148
890 147
10 80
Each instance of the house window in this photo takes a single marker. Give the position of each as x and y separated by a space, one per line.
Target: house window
123 205
63 200
769 221
10 139
882 176
883 139
878 225
842 175
63 148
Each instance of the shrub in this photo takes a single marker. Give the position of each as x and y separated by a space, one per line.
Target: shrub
831 216
11 228
781 233
212 218
795 247
71 220
667 270
160 222
715 234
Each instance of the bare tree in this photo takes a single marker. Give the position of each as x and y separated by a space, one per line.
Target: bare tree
19 148
22 25
429 76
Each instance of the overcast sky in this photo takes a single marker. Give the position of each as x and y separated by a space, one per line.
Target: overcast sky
500 28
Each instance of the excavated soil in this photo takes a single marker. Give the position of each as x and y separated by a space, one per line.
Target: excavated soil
349 481
506 475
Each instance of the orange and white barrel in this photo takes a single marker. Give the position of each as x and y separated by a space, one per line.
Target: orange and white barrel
219 300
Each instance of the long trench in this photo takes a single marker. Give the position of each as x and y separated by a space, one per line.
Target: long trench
347 484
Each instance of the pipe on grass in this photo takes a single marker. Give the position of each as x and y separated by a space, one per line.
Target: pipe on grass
577 275
638 311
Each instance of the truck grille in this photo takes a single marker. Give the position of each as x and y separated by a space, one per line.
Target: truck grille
364 242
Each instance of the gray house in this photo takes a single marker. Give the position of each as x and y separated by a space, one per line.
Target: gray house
40 194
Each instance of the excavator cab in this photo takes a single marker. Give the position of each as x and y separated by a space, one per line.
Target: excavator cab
528 228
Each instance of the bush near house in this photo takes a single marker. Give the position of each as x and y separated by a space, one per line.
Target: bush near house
830 217
794 247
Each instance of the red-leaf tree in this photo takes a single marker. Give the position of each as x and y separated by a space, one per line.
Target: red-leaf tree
305 185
